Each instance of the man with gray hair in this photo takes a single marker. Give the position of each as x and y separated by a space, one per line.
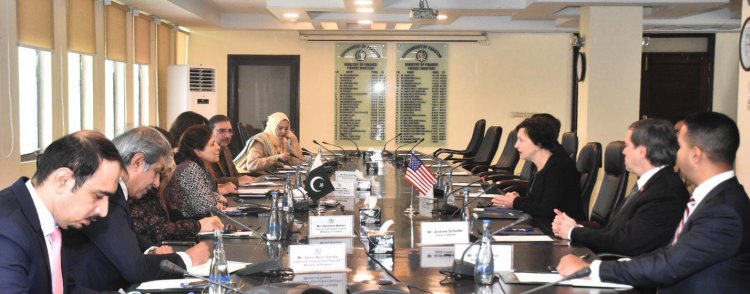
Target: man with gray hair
654 207
106 256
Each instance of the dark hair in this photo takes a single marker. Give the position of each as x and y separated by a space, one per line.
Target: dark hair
184 121
195 137
540 132
716 134
552 121
82 152
658 136
216 119
167 135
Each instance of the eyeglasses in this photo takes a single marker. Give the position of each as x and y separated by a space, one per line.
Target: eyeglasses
225 131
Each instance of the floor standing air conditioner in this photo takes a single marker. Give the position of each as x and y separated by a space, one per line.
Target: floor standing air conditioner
191 88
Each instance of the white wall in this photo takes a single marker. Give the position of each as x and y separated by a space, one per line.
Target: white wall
726 60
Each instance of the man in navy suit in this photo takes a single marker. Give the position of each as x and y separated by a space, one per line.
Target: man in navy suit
710 251
70 188
106 256
649 216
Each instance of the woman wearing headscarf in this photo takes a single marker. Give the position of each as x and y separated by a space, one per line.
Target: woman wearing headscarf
270 149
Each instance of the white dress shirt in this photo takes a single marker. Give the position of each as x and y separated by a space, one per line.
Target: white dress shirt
46 221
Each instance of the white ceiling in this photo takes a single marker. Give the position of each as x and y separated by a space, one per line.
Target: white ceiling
462 15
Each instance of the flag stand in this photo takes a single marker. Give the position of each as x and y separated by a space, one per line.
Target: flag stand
411 212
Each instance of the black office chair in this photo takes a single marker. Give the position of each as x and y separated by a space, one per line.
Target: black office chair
486 151
614 184
507 162
471 148
570 144
588 164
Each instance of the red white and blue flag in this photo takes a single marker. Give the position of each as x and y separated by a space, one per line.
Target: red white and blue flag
419 175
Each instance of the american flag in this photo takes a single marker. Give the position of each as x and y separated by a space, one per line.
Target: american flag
419 175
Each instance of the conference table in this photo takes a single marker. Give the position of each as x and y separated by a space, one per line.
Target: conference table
410 263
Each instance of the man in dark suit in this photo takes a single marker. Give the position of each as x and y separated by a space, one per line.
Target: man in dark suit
651 212
106 255
710 252
73 181
224 171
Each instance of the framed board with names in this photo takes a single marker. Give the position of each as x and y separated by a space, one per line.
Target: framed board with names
421 92
360 93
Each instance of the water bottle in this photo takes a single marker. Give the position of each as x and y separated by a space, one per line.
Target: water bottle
466 213
219 272
288 201
484 267
274 220
450 199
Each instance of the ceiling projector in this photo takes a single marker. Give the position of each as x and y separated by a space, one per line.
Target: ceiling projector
424 11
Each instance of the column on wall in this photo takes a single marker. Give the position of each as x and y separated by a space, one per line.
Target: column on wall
742 163
609 97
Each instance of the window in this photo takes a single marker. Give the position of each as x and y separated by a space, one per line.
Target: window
114 98
80 92
35 100
140 95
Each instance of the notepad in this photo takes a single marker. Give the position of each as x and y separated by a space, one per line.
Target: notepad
543 278
166 284
263 184
246 190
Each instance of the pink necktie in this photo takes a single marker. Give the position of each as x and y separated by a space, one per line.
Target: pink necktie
685 216
56 262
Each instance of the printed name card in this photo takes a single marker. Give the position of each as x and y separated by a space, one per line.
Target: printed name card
332 226
317 258
334 282
346 183
348 242
435 233
502 255
436 257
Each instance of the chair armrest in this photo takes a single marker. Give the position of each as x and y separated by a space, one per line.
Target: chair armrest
479 169
503 177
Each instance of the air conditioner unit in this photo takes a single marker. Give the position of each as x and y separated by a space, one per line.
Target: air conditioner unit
190 88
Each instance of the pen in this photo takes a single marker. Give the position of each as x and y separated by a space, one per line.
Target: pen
519 230
178 243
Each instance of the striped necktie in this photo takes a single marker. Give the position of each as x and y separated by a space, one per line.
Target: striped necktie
688 209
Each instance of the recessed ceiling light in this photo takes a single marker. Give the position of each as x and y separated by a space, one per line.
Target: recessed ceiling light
291 15
364 21
403 26
442 16
363 2
365 10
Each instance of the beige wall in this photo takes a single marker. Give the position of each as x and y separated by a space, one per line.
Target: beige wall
511 73
726 60
742 165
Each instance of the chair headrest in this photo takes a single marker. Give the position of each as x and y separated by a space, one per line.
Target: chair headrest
589 158
614 160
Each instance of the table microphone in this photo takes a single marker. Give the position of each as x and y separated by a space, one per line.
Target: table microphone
446 208
472 200
383 151
415 145
171 267
343 152
355 146
396 157
584 272
324 147
217 211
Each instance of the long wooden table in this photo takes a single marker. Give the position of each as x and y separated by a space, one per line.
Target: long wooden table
405 263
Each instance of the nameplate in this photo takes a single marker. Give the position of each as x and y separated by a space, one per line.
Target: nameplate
334 282
435 233
345 188
317 258
502 255
332 226
436 257
348 242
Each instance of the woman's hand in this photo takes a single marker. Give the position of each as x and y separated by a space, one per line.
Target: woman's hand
227 188
504 201
208 224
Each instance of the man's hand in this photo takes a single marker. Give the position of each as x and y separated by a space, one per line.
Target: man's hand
570 264
164 249
199 253
562 225
208 224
